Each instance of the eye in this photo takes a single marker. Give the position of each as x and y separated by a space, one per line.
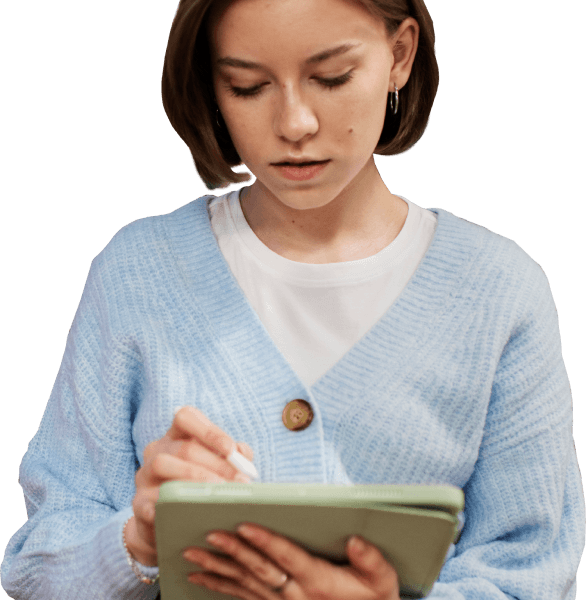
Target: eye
255 91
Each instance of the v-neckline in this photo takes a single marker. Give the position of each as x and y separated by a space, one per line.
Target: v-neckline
425 298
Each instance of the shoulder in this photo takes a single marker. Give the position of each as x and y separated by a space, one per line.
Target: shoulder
148 239
489 255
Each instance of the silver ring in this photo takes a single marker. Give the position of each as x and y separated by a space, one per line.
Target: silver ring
279 588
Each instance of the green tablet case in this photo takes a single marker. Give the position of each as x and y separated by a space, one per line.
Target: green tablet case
412 525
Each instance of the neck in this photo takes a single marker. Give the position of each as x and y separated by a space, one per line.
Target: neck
359 222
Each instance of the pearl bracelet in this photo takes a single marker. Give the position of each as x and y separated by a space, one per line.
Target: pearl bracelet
132 562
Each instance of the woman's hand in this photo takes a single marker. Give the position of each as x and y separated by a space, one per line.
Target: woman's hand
193 449
253 570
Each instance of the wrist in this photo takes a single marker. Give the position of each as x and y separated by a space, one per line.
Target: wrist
138 550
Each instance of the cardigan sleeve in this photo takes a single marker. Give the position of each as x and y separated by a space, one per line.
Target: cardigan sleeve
78 472
524 528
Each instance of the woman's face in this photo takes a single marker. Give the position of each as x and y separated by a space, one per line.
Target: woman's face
329 109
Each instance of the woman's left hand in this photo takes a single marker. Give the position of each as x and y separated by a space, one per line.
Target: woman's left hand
256 570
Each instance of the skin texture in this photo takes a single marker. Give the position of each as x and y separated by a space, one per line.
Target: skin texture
347 212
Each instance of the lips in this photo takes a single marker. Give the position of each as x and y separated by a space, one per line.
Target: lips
301 171
301 164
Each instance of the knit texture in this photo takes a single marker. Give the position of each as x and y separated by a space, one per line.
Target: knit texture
461 382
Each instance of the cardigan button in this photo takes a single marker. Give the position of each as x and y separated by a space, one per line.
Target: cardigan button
297 415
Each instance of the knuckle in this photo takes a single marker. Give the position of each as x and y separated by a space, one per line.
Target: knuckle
150 449
148 512
214 438
286 560
136 505
246 578
158 465
262 569
323 594
190 451
186 450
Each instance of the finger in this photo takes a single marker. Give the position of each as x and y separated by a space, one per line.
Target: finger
166 467
242 563
192 451
190 422
380 574
292 559
254 562
246 450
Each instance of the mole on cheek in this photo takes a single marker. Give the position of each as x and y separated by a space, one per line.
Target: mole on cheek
350 130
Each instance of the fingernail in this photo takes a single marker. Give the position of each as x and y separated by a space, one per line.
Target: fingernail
357 545
191 556
242 478
246 531
214 538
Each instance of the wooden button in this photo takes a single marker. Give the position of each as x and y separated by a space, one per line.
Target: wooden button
297 415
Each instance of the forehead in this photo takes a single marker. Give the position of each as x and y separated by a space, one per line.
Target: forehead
294 26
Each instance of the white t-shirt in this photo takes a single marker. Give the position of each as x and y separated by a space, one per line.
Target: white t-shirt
316 312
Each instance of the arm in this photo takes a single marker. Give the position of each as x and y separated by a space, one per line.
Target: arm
78 472
524 531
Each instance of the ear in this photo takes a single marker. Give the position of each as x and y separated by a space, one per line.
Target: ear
403 45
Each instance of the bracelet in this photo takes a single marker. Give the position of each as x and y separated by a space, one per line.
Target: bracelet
132 562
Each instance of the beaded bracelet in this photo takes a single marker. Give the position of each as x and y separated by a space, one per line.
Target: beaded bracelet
132 562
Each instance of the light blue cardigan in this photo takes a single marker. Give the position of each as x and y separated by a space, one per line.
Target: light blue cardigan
461 382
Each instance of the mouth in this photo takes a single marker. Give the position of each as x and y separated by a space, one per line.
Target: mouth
300 164
301 171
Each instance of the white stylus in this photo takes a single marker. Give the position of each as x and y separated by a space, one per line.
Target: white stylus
241 463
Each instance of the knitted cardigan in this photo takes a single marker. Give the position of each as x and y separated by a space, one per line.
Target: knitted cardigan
461 382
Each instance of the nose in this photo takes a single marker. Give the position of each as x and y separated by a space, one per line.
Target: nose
295 119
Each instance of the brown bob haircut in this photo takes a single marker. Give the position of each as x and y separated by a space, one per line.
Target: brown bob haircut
189 99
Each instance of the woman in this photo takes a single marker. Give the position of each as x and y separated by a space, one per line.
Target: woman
425 347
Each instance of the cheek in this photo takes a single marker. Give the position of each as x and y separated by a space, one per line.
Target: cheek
247 137
365 120
356 124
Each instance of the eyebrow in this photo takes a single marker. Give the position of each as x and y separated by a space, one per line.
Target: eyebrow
316 58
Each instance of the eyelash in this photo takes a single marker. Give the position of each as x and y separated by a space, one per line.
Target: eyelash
328 83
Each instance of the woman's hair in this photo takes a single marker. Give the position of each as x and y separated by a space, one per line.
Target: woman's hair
189 99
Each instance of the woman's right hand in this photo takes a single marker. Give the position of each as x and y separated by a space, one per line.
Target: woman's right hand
193 449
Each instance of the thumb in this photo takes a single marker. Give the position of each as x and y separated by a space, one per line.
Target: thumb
368 560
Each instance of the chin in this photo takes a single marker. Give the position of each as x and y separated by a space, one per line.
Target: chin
305 199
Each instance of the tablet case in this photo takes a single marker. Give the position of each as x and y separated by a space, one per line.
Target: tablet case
412 525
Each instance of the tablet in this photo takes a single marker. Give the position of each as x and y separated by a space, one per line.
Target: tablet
412 525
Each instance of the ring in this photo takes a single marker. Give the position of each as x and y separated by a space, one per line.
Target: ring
279 588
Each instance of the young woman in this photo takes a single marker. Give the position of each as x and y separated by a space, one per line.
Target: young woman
420 347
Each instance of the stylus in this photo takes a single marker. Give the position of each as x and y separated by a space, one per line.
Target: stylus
241 463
